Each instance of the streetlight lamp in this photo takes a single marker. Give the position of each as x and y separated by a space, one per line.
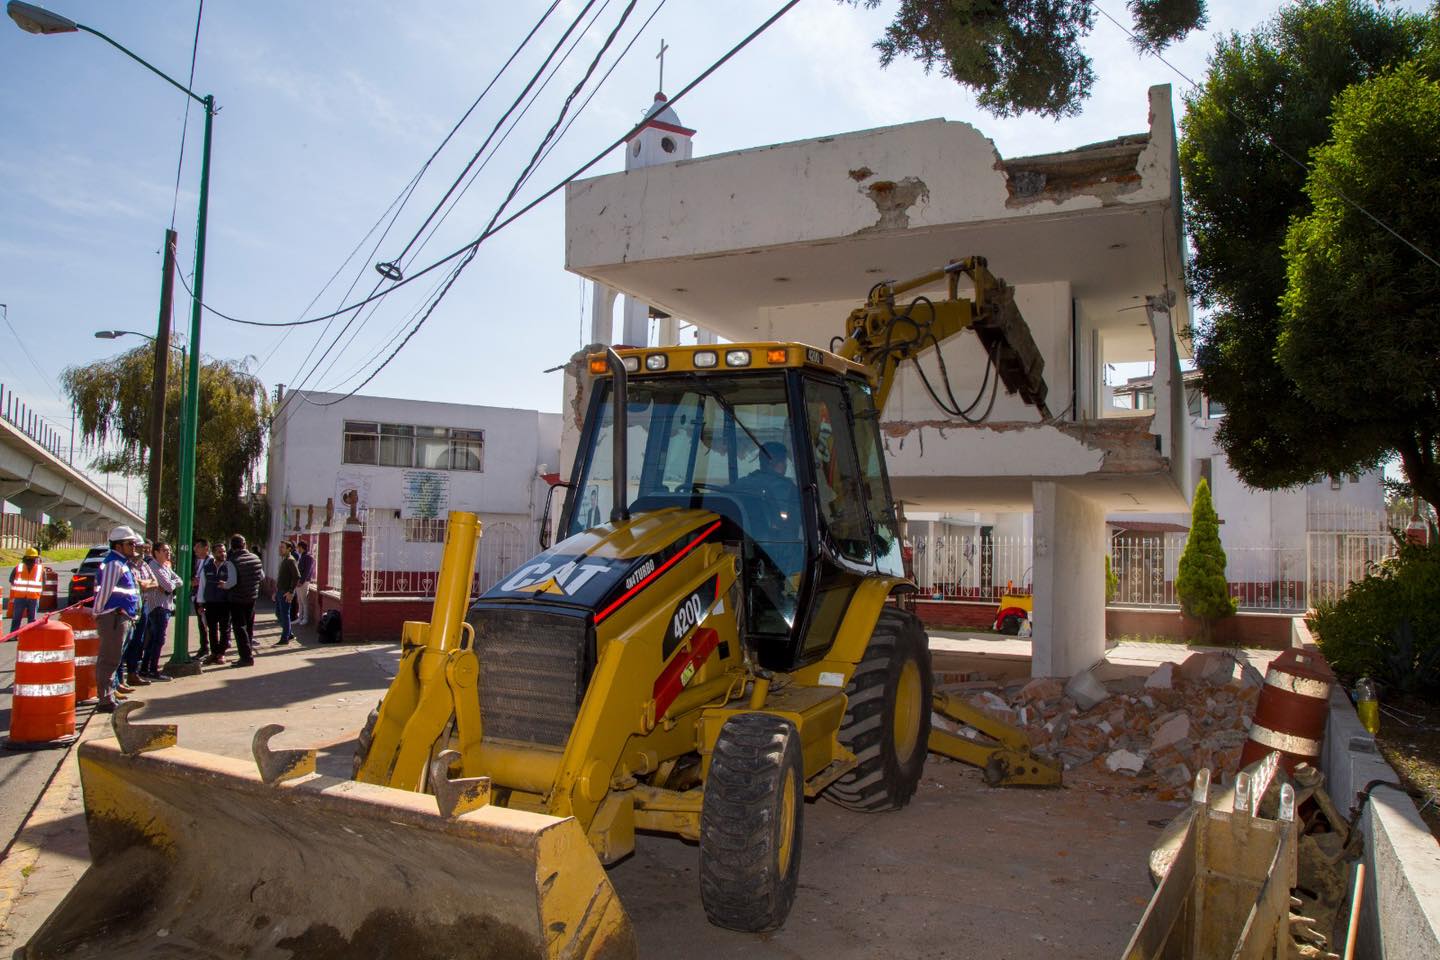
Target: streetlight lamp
38 20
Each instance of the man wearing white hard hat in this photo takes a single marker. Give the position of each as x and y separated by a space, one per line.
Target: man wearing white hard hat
117 603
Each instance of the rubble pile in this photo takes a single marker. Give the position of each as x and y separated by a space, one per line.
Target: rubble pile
1148 732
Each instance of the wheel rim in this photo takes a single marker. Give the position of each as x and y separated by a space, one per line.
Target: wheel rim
906 720
786 846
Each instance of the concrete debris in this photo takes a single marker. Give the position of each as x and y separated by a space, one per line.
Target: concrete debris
1086 691
1123 761
1134 734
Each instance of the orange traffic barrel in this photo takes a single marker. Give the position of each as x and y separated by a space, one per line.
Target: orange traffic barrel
87 651
1290 716
42 708
49 593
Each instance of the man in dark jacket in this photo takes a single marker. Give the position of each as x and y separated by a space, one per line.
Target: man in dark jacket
286 581
243 573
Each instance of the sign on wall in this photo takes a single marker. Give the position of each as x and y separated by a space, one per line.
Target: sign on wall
425 495
351 480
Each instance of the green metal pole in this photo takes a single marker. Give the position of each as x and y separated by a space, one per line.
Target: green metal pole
180 663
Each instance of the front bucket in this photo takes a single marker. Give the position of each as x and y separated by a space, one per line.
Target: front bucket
195 855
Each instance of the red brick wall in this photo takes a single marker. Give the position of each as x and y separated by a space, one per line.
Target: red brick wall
1266 631
960 614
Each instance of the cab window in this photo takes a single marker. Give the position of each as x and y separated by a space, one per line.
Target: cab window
870 450
844 519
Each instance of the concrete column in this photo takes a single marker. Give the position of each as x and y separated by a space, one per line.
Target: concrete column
602 313
704 337
669 331
1069 616
636 329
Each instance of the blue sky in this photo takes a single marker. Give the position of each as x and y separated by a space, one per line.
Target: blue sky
328 110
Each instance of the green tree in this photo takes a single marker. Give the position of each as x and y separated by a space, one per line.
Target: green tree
1022 56
54 533
1200 582
1360 318
1269 94
112 398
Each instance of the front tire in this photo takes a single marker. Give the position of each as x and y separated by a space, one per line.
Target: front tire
751 823
887 718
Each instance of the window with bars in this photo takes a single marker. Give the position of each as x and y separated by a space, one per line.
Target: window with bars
402 445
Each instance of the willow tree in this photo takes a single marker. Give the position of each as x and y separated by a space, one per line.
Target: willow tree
112 400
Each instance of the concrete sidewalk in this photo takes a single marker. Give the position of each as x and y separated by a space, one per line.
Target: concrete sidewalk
320 694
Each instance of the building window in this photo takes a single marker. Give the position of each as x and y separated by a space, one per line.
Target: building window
1193 401
402 445
425 530
1217 409
397 445
362 441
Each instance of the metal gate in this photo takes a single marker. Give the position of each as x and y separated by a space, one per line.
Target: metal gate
503 547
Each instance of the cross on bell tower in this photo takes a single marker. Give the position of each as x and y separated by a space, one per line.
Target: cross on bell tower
661 57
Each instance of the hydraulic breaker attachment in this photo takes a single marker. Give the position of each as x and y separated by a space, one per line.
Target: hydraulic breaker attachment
436 682
200 856
1004 755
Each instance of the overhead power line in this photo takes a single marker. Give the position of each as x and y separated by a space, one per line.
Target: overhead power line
185 124
358 309
556 188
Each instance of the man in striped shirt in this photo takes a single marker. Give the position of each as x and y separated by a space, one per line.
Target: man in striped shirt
117 602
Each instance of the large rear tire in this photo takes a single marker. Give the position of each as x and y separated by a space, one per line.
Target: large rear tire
750 823
887 719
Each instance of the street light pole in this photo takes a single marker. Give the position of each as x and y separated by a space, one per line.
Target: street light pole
38 20
180 662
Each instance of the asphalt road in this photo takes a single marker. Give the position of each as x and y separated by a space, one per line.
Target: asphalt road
23 773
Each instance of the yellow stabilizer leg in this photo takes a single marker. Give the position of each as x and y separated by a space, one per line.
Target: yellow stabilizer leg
437 668
1006 758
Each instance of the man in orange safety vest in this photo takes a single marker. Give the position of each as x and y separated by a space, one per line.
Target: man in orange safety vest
27 582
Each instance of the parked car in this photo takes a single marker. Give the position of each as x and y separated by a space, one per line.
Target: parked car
82 581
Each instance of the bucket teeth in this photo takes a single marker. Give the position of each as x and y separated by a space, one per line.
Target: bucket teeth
136 738
456 797
277 766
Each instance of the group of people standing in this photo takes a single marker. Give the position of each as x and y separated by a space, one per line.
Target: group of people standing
135 598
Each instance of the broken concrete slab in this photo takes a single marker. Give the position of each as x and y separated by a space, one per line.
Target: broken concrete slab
1086 690
1173 731
1124 761
1161 678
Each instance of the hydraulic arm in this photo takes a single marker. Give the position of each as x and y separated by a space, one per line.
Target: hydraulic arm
882 335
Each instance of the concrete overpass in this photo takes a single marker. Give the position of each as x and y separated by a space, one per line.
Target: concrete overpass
39 481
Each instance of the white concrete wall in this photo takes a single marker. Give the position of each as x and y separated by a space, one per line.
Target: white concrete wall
1069 616
1400 910
306 457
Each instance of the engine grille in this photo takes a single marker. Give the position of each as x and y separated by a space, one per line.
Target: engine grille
530 668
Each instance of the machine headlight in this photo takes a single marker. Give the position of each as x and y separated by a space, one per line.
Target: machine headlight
705 358
657 361
737 358
632 363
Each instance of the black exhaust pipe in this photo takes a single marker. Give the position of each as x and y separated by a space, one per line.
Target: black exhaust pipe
620 509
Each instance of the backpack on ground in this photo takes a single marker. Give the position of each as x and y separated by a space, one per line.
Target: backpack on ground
328 629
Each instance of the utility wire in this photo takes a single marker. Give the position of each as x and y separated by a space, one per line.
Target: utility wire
556 188
397 206
474 249
185 124
1271 140
434 227
375 291
395 334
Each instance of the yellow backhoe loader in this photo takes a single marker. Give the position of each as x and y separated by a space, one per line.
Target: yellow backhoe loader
710 642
